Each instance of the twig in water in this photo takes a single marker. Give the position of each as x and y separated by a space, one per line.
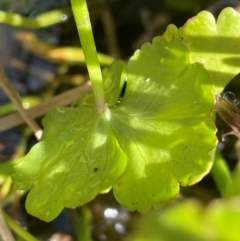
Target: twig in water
15 98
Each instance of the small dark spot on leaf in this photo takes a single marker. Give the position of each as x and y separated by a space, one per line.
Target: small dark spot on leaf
95 169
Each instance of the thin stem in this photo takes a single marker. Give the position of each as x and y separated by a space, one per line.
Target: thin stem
221 174
18 229
110 31
5 233
84 28
81 218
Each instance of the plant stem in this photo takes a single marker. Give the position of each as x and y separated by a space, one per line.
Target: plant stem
221 174
81 218
18 229
84 28
5 233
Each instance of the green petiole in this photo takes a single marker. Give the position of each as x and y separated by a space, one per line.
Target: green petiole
84 28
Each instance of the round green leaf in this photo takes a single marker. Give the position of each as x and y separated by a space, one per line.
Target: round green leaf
161 134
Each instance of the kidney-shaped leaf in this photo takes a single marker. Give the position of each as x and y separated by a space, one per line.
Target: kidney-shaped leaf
159 136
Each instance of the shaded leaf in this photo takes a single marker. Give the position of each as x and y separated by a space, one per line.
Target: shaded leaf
189 220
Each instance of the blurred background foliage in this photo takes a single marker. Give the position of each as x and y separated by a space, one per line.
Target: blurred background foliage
41 55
